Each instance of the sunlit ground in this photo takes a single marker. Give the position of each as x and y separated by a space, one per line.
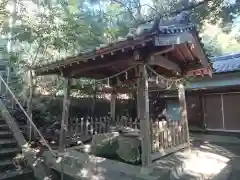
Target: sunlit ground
205 164
218 159
209 159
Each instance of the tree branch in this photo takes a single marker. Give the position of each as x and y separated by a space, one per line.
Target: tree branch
192 6
128 9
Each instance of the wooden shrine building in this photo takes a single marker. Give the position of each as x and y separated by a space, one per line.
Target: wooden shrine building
157 55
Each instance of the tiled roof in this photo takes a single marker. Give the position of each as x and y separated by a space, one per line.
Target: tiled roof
228 63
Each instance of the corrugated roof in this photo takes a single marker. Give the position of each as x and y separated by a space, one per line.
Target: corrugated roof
227 63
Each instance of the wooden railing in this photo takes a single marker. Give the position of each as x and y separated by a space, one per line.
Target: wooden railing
99 125
89 125
124 121
168 135
13 100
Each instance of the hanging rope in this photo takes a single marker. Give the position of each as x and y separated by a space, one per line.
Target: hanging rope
101 81
169 82
115 75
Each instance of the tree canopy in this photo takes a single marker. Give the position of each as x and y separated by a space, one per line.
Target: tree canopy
43 31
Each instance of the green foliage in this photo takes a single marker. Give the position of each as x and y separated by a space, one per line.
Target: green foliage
217 42
53 31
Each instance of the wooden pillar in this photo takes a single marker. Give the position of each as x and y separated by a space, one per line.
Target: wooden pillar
138 98
29 101
143 113
65 115
183 110
93 110
113 105
201 109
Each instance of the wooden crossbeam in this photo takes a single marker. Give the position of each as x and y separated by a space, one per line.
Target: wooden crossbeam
126 62
159 60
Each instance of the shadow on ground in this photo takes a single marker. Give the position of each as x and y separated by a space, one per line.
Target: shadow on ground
211 157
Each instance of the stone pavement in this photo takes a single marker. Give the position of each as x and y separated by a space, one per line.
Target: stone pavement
211 158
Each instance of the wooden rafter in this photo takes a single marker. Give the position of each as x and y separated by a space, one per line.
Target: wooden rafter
179 52
188 52
159 60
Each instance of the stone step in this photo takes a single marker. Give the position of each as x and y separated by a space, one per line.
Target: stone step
5 134
6 165
2 121
3 127
8 143
17 174
7 153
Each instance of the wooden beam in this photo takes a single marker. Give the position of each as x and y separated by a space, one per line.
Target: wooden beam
183 110
159 60
188 52
196 47
91 74
179 52
102 65
89 68
143 113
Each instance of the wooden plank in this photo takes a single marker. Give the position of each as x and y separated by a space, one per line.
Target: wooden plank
77 126
106 122
91 125
196 48
90 67
81 126
136 123
183 110
125 121
113 105
65 115
96 125
159 60
86 125
143 112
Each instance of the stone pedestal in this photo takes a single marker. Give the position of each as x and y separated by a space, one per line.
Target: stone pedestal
129 147
105 145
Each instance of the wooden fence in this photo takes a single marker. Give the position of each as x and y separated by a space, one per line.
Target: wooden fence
99 125
168 137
